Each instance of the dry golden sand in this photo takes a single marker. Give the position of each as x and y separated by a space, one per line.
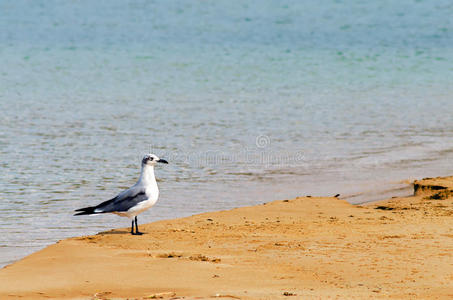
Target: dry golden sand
301 248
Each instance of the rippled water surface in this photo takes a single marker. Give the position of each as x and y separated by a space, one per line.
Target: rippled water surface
250 101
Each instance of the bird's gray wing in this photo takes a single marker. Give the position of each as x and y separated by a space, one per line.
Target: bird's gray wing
124 201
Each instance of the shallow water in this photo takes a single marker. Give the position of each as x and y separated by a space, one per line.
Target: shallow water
249 101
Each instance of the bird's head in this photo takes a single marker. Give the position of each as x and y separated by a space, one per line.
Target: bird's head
152 160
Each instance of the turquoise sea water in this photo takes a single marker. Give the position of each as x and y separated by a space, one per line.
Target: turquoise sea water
250 101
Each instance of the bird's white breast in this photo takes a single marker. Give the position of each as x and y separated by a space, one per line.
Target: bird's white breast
147 181
151 191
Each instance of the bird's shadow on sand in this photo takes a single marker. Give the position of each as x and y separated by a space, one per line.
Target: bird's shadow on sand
117 232
114 232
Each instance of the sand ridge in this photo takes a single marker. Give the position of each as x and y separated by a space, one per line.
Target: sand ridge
306 248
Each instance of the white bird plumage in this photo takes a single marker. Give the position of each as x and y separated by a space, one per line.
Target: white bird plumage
133 201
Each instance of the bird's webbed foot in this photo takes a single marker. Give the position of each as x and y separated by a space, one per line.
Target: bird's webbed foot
136 227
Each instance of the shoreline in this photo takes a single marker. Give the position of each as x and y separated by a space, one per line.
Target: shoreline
383 192
308 246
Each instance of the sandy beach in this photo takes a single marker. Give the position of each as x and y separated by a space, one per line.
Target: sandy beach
300 248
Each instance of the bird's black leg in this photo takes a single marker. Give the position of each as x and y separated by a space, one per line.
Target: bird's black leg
136 228
132 227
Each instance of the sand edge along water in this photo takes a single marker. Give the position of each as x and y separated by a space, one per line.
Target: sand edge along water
307 247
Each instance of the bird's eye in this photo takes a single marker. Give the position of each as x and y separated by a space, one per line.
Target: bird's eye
151 158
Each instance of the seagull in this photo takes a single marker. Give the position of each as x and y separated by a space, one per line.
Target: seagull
136 199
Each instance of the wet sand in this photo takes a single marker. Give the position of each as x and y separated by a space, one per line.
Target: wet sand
300 248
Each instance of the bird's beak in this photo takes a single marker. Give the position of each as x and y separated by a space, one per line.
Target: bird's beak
162 161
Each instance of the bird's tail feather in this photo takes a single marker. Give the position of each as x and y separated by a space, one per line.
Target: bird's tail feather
85 211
